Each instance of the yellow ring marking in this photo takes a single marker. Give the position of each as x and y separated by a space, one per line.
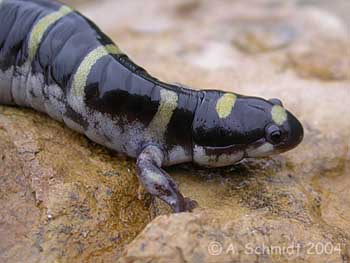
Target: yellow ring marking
40 28
80 77
225 104
279 114
160 121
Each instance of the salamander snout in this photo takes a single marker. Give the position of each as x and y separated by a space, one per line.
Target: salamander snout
291 134
282 133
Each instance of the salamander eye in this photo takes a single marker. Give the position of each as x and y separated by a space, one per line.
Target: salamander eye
274 134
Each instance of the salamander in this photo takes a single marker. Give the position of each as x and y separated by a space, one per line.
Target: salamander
56 61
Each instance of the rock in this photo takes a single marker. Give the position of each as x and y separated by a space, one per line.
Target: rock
250 238
212 56
264 38
62 197
317 22
326 60
187 8
19 215
323 52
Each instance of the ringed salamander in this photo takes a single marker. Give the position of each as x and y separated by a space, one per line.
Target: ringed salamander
56 61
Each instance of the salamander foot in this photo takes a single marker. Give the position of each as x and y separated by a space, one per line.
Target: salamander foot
158 182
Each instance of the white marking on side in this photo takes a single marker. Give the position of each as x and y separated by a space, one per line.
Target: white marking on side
200 157
18 85
73 125
261 151
178 155
28 89
124 139
229 159
55 106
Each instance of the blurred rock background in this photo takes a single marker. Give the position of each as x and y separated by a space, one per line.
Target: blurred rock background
65 199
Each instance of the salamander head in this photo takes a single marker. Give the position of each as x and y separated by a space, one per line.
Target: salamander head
229 127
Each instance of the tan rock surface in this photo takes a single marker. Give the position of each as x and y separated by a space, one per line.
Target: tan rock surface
62 197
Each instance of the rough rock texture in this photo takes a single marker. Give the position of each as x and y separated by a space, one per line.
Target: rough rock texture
254 237
62 197
65 199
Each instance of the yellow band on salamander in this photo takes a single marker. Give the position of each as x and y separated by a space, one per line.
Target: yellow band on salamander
80 77
40 28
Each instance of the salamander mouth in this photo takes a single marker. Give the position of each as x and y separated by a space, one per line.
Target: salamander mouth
230 149
259 148
212 156
234 148
262 148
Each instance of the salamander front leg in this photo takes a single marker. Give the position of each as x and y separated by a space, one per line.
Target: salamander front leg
158 182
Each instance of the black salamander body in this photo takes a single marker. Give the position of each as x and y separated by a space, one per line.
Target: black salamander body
56 61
